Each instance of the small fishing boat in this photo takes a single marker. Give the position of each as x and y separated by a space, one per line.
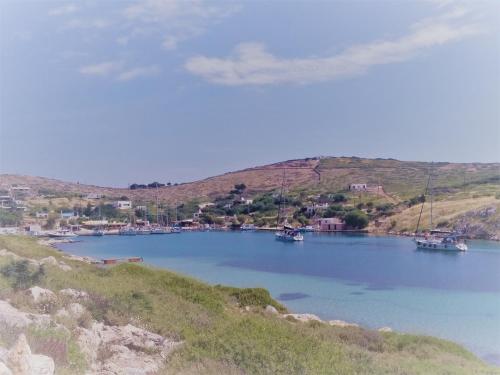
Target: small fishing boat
175 230
63 233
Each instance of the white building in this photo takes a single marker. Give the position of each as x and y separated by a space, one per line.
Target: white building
358 187
94 196
316 207
122 205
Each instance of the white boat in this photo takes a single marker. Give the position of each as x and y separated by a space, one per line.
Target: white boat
143 231
451 243
431 241
289 234
97 232
160 230
248 227
63 233
127 231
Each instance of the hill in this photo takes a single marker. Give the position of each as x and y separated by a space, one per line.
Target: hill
400 179
467 195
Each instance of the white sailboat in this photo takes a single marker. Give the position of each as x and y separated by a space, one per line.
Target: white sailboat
289 233
432 240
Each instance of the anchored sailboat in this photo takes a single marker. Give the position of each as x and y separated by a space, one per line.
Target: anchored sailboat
431 241
289 233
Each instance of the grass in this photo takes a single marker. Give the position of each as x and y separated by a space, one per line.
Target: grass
221 337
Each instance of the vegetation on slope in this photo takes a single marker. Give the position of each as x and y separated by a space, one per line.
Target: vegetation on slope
221 336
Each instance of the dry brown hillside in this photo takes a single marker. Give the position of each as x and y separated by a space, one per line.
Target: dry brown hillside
400 179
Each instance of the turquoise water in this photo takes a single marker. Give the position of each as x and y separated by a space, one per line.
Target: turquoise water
372 281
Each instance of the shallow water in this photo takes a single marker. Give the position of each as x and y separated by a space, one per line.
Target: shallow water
373 281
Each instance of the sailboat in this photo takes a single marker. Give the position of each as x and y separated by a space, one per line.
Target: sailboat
289 233
159 229
98 231
449 242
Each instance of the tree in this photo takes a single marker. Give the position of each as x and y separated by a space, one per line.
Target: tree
337 198
356 219
8 218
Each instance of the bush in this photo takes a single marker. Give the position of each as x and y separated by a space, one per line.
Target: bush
356 219
21 276
253 297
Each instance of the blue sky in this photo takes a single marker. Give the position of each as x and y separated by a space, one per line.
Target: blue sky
118 92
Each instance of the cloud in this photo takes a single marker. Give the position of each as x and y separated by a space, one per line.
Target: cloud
175 20
62 10
101 69
94 23
252 64
144 71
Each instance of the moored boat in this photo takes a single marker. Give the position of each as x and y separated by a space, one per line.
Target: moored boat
63 233
432 241
289 234
127 231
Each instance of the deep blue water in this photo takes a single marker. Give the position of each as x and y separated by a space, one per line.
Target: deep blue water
373 281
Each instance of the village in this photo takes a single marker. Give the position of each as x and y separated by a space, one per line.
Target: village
32 211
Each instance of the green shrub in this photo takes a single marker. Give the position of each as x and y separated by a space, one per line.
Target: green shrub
20 274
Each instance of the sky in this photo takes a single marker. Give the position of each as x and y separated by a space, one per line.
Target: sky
120 92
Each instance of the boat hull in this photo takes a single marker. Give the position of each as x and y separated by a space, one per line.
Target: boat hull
440 246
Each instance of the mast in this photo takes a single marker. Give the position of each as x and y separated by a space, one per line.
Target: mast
430 179
422 207
157 211
281 199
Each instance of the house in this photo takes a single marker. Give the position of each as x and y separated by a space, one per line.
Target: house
94 196
68 214
358 187
205 205
42 215
316 207
23 189
122 205
246 201
330 224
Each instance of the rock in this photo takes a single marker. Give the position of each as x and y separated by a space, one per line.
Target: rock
385 329
64 266
21 361
4 370
271 310
303 317
49 260
76 310
40 294
73 293
12 317
18 359
42 365
247 308
341 323
133 350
